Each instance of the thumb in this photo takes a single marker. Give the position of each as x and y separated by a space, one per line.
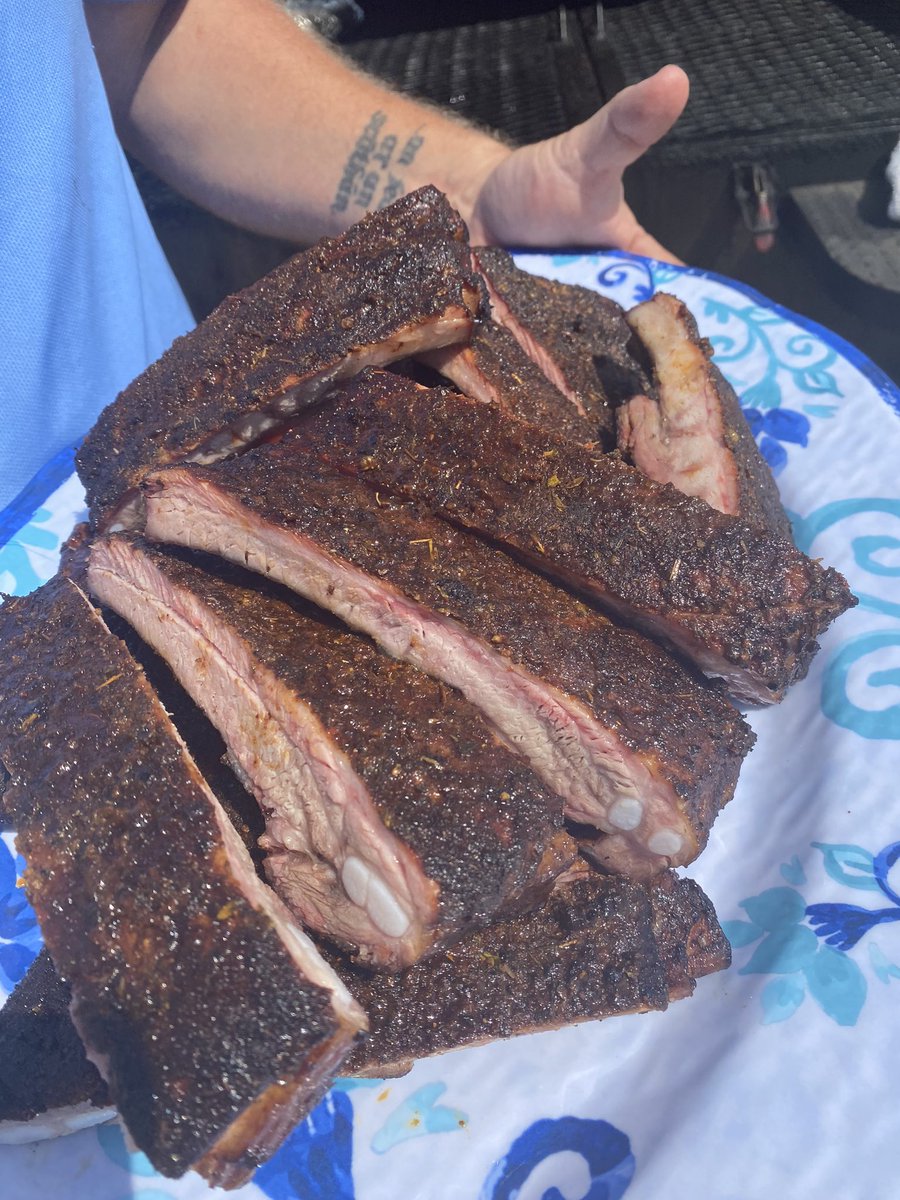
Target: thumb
629 124
568 190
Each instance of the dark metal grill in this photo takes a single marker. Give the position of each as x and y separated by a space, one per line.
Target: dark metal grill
519 76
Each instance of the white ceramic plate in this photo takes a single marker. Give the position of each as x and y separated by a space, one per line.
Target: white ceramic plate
776 1079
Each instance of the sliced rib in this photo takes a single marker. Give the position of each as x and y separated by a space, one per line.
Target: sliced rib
694 434
599 947
744 604
394 819
580 340
493 367
398 282
634 744
212 1018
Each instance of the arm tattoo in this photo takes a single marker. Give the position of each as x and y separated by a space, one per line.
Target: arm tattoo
372 167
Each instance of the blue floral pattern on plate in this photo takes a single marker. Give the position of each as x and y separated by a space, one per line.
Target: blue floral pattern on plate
807 946
605 1150
872 554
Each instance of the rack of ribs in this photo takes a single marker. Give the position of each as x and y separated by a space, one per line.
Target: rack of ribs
391 662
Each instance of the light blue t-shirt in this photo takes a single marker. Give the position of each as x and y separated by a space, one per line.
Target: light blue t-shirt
87 298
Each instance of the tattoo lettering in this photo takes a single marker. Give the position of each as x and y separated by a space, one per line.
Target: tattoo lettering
409 151
358 161
366 170
382 155
367 189
393 189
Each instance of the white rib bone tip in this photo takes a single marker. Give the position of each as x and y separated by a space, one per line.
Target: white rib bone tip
626 814
355 878
53 1124
384 909
666 842
367 889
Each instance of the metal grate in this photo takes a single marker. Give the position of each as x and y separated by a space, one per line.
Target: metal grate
792 78
529 77
769 77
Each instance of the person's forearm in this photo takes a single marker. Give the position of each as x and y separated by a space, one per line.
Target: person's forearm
257 120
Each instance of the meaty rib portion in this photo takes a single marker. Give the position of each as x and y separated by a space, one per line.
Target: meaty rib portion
580 340
694 435
398 282
495 368
394 818
599 947
743 604
48 1086
631 741
210 1015
690 941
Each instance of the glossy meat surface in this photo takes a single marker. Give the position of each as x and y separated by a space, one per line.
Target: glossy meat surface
212 1019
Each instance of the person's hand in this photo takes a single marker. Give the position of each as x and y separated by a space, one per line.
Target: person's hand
568 189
